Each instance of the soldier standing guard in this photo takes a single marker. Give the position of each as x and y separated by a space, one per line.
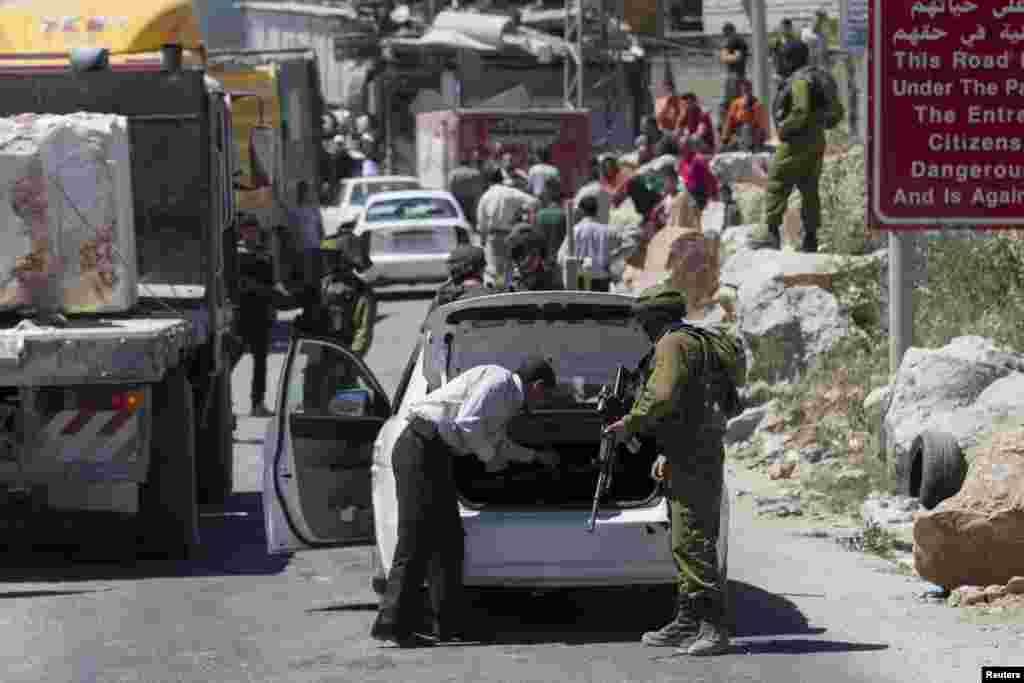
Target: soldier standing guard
677 407
343 309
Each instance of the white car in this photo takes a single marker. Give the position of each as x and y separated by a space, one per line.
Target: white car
411 235
353 194
328 479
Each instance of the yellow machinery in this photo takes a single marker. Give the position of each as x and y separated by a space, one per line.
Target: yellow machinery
42 30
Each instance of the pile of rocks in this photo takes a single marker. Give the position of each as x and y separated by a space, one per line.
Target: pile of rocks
967 596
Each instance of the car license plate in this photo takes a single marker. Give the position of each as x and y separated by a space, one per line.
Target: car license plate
414 241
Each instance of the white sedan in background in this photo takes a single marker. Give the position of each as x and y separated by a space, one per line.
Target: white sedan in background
353 193
328 479
411 234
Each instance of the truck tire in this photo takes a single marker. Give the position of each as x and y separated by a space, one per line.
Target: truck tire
937 468
168 508
215 443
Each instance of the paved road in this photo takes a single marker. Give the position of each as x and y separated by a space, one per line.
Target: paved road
806 610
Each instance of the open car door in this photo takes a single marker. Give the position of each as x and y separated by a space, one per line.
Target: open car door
316 470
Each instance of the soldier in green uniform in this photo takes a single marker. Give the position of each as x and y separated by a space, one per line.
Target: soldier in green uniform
797 161
675 408
344 309
466 266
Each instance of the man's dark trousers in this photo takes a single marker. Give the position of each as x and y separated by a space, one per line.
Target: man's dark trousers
254 328
430 536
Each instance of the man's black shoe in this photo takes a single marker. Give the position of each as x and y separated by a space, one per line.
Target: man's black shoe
403 640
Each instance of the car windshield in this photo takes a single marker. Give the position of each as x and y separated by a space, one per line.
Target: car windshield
411 209
584 355
363 190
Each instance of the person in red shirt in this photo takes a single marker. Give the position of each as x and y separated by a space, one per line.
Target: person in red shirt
695 172
697 123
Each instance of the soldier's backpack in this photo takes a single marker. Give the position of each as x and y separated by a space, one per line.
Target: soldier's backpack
331 311
828 107
725 362
825 101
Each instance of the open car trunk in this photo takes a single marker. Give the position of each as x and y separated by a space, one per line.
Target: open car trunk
575 434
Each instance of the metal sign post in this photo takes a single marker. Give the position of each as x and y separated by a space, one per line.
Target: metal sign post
946 127
759 45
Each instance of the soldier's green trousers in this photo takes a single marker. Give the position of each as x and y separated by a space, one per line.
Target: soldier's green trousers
695 498
796 164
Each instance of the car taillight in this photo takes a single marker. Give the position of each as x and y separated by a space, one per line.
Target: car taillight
126 400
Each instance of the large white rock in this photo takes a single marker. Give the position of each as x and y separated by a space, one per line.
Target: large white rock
67 241
733 167
786 328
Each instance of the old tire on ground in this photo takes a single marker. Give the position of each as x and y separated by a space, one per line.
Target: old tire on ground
168 508
215 444
937 468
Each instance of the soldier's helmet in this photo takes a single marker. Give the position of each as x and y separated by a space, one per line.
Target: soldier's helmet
346 251
465 260
661 300
793 55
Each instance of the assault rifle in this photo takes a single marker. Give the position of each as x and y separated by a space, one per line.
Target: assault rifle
613 402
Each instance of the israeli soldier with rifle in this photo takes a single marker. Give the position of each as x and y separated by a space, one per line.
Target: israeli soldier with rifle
343 308
466 266
684 413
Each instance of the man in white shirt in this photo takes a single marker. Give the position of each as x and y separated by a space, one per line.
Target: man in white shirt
467 416
497 213
538 175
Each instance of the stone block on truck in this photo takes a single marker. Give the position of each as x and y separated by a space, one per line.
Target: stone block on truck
444 139
117 227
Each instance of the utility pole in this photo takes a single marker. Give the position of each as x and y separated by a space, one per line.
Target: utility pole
759 47
573 62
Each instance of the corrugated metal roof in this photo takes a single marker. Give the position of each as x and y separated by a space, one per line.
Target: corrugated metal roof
302 8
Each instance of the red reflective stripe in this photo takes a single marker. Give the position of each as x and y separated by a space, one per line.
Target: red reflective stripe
79 421
116 422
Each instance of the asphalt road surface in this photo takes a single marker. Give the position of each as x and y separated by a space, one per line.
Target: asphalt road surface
805 610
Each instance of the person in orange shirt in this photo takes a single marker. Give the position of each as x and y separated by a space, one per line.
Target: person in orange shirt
668 108
746 123
614 180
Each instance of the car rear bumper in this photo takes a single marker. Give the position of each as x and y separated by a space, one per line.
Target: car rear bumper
408 268
554 549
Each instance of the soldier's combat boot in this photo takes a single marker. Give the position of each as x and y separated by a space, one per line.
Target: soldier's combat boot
766 238
680 632
712 638
810 241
